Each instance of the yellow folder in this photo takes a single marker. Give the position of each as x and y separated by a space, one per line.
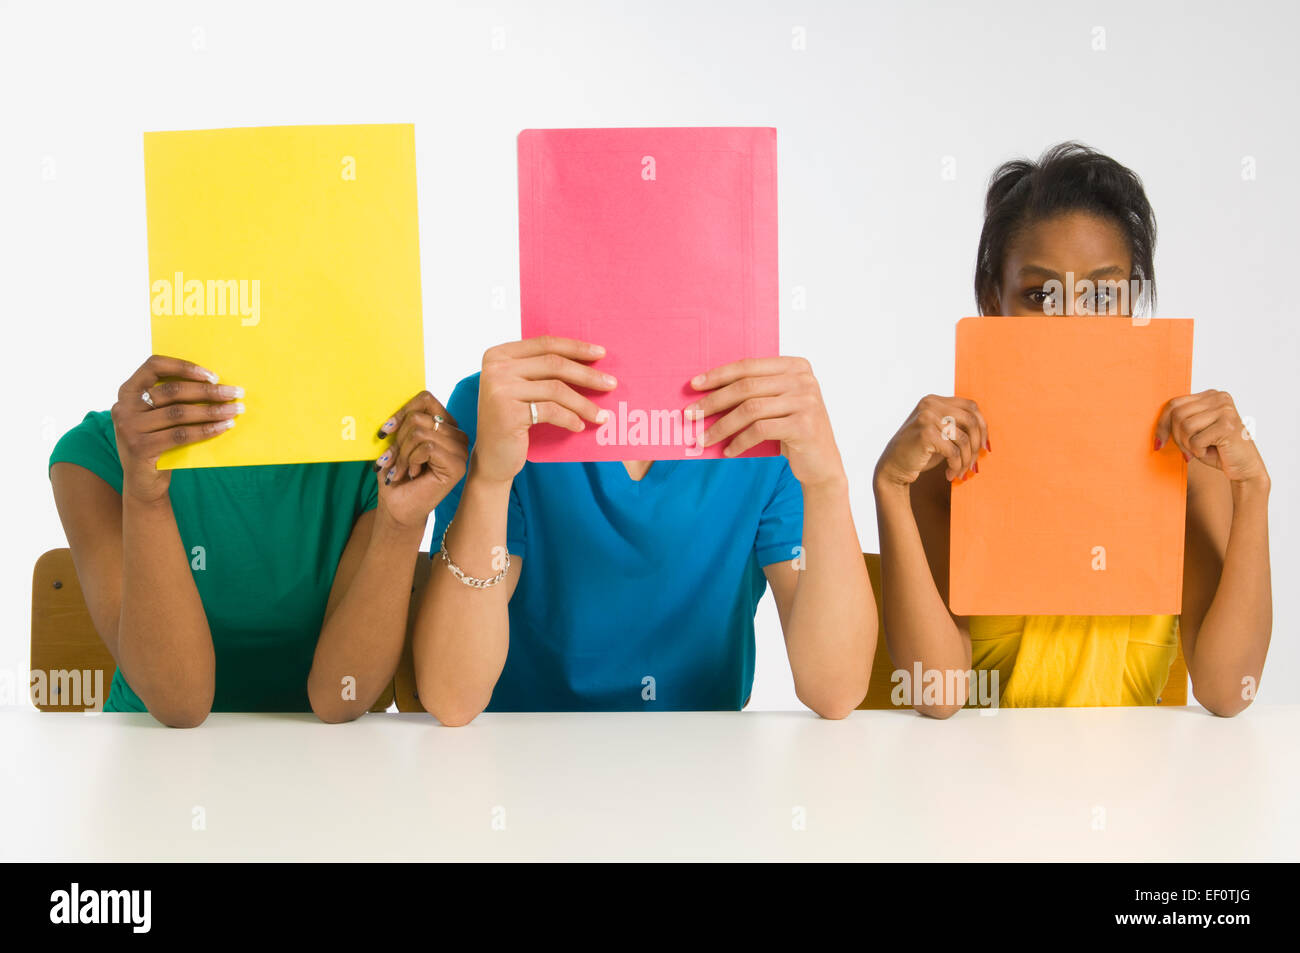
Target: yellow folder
286 260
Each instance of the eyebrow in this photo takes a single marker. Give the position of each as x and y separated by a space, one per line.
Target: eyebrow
1039 270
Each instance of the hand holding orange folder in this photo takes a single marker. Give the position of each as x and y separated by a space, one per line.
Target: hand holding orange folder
1076 513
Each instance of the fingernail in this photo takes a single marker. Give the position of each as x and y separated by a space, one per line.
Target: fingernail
387 426
602 416
229 392
988 444
697 380
388 479
730 451
239 408
691 413
212 378
609 380
379 465
975 468
1187 457
226 424
597 350
1159 443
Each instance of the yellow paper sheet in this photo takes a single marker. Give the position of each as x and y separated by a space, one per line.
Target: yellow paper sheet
286 260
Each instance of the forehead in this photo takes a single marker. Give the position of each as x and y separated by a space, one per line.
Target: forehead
1077 241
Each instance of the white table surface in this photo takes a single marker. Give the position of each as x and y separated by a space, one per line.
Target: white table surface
1161 783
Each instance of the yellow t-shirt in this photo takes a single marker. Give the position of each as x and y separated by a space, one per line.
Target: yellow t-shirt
1072 661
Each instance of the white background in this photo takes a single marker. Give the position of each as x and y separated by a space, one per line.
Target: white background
880 241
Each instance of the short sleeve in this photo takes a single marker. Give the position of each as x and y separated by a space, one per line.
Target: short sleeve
370 489
780 527
463 407
91 444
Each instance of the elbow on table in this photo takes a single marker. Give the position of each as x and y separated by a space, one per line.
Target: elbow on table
1225 704
182 716
337 714
937 712
449 712
832 707
450 716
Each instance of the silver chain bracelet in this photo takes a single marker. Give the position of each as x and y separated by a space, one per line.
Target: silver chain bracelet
460 574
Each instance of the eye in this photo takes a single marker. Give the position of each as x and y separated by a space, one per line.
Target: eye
1100 302
1042 299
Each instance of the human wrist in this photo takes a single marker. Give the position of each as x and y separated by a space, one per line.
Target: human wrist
889 483
484 481
1253 490
389 529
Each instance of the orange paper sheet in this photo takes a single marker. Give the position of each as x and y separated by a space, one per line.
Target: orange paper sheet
1073 512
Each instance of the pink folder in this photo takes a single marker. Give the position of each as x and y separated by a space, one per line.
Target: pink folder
660 245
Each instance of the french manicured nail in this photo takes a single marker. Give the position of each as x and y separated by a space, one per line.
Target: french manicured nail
212 378
226 424
235 409
226 392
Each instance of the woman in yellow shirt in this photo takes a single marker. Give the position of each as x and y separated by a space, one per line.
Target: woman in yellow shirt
1077 212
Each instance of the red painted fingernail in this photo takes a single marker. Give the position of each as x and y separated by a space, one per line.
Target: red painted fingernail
976 468
1159 443
988 444
1187 457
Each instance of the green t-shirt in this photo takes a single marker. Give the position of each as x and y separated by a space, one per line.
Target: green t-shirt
263 545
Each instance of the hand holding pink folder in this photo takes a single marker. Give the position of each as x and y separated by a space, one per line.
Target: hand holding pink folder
660 245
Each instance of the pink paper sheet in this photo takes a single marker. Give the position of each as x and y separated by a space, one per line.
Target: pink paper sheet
660 245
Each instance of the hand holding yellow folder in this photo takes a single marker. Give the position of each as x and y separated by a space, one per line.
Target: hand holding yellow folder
286 259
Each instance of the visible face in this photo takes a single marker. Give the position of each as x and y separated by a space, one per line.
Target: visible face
1073 263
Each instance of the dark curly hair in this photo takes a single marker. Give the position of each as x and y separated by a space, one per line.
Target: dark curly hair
1068 177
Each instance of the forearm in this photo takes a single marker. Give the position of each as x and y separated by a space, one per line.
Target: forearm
361 641
162 643
462 634
1232 640
832 628
917 622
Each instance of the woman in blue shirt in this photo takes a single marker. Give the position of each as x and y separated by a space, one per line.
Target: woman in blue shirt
628 586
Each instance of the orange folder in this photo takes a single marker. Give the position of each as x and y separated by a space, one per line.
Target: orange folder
1074 511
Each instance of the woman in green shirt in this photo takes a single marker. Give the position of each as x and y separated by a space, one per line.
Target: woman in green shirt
268 588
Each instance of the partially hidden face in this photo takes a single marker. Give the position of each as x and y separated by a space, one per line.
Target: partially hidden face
1073 263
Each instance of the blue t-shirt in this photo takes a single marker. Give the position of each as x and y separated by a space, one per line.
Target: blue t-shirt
636 595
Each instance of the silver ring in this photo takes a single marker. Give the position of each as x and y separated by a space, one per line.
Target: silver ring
437 422
532 409
147 398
